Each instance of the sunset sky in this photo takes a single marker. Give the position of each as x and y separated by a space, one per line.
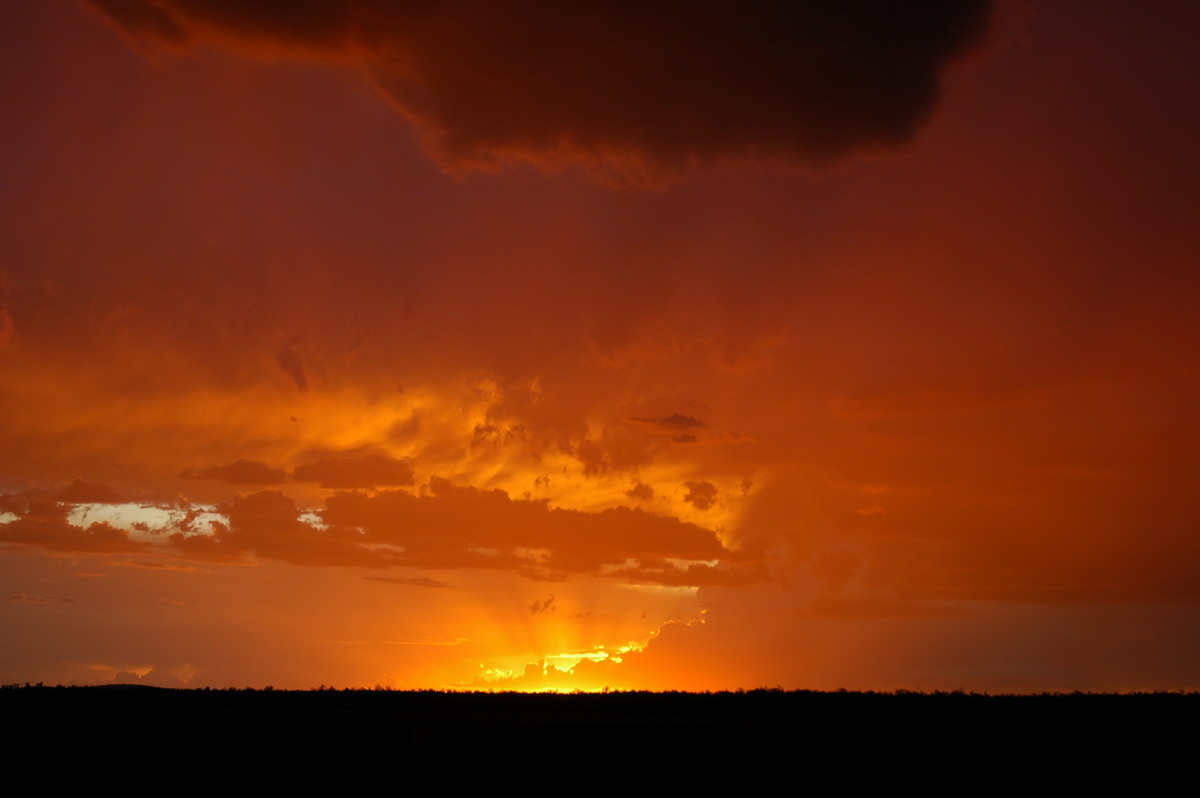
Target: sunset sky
540 345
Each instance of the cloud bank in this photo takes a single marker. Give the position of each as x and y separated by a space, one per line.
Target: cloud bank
626 89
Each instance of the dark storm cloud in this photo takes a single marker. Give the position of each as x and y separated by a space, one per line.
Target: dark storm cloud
626 88
356 471
676 422
702 495
267 524
239 472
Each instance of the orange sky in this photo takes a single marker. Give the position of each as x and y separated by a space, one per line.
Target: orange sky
551 347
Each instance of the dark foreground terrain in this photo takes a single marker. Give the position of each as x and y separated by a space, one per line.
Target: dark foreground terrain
359 732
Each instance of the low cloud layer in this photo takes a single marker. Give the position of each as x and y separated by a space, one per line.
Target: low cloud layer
627 89
448 527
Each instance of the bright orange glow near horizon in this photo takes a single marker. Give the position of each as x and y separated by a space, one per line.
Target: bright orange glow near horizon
370 343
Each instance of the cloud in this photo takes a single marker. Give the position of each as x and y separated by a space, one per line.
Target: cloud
267 525
289 359
28 598
663 572
356 471
630 90
701 495
676 422
446 527
640 491
461 527
80 492
415 581
544 606
239 472
677 427
43 522
615 449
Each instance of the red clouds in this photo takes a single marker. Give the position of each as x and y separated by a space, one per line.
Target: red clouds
455 527
933 398
629 89
446 527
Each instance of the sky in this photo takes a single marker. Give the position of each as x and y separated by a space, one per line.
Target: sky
542 346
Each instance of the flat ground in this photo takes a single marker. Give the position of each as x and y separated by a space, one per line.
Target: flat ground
763 730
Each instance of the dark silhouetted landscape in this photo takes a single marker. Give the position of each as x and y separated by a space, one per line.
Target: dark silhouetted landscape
768 730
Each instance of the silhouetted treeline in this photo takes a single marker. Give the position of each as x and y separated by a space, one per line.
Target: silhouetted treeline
771 729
